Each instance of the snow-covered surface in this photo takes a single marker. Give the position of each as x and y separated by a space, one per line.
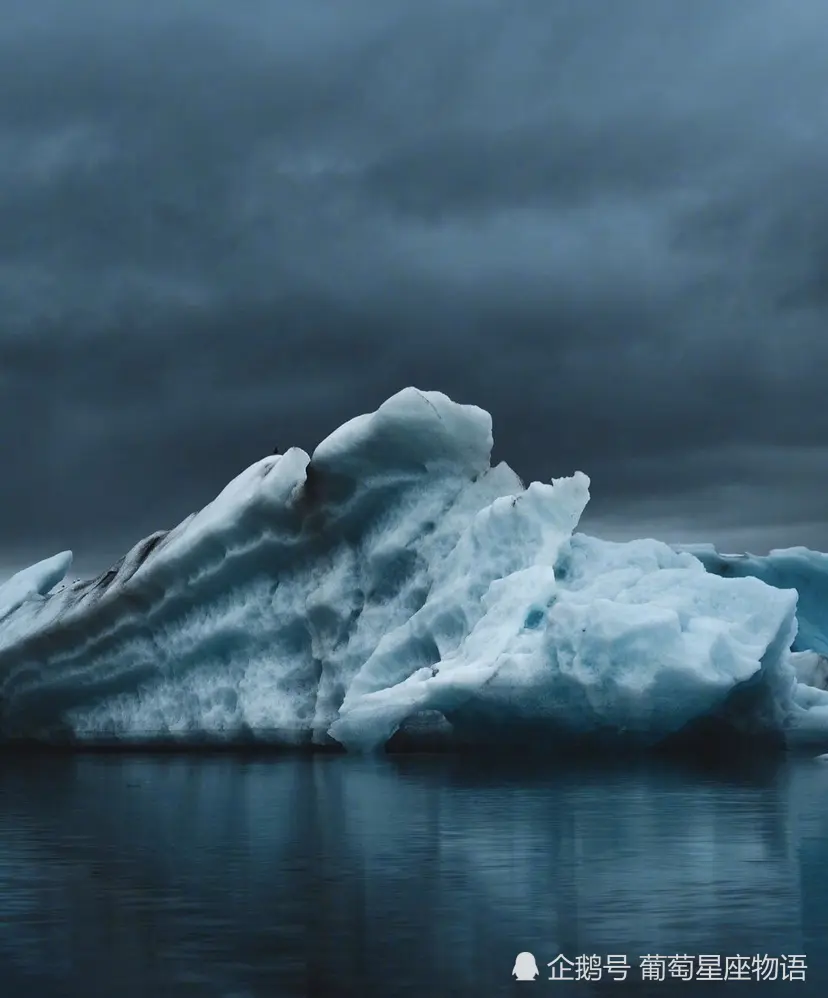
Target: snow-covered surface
395 580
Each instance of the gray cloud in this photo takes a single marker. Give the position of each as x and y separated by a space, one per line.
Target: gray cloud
224 227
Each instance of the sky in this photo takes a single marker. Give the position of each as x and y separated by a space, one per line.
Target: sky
227 227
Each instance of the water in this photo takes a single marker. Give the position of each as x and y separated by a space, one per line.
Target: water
231 877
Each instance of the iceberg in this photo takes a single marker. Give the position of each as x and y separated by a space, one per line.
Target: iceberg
395 588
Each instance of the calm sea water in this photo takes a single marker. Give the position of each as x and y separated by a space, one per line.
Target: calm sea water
417 876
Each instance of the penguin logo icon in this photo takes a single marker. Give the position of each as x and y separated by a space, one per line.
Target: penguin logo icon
525 968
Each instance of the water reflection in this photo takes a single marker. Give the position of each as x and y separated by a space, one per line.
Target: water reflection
408 876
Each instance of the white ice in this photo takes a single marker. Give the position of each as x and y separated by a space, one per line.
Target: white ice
787 568
33 583
395 582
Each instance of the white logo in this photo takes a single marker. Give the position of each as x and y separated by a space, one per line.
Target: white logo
525 968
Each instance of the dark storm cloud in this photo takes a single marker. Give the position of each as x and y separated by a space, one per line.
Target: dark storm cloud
229 226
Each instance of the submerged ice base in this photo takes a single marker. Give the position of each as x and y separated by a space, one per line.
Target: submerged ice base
395 582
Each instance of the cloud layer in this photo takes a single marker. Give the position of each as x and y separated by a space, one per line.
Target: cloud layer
229 227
